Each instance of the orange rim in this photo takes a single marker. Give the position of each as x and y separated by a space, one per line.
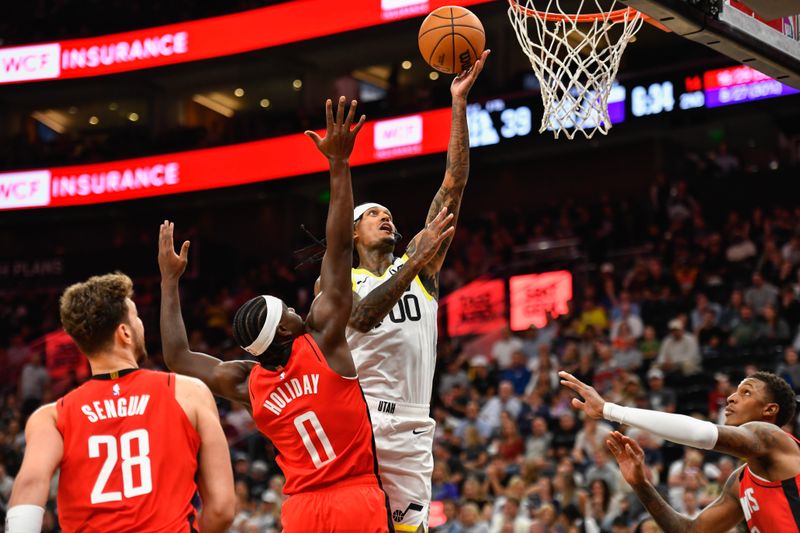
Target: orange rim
614 16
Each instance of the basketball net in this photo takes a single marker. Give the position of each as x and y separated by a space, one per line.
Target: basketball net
575 58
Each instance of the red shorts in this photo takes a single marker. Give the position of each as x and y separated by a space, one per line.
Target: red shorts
361 508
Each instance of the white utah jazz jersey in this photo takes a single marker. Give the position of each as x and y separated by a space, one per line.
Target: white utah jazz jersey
396 359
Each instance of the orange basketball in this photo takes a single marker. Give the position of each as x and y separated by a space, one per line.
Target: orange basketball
451 39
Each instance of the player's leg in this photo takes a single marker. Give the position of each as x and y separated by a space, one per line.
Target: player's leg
405 461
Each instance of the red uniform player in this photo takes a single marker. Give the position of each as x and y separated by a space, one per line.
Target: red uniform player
134 446
303 391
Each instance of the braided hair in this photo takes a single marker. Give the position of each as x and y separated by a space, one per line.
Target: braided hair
247 324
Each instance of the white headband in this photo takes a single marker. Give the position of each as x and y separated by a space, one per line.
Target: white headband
264 339
359 211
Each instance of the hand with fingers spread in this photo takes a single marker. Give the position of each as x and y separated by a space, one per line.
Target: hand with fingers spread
431 237
464 81
629 456
171 265
337 145
592 403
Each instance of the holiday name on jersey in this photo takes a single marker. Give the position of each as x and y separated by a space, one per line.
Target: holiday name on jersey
287 392
116 408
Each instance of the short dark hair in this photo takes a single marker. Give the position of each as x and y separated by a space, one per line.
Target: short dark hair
92 310
781 393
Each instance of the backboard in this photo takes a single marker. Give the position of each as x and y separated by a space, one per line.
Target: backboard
762 34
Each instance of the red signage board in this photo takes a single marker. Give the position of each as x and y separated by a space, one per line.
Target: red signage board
534 297
63 358
202 39
269 159
479 307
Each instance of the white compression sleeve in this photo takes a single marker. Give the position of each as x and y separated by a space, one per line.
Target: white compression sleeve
24 519
676 428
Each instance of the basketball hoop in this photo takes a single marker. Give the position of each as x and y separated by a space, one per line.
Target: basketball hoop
575 57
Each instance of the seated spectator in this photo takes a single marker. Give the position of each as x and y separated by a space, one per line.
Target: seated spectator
760 293
709 334
718 398
481 378
606 370
471 519
504 348
701 306
509 443
632 321
517 373
564 435
590 438
504 401
730 313
745 329
661 398
537 445
473 420
442 488
510 519
474 456
625 306
772 328
592 314
626 355
679 352
789 307
534 338
789 369
32 384
649 345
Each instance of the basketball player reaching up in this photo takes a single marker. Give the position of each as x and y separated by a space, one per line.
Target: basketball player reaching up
763 491
303 389
392 330
129 442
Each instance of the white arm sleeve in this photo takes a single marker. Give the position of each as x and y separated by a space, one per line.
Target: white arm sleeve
24 519
676 428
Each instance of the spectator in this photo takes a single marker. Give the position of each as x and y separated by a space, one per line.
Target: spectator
504 401
718 398
606 370
504 348
679 352
745 329
709 334
442 488
703 305
32 384
632 321
760 293
473 420
474 456
591 438
650 346
789 369
517 373
772 328
660 397
510 516
731 312
537 445
564 435
534 338
626 355
509 443
592 315
471 521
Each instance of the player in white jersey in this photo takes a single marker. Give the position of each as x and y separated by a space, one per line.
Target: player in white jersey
392 331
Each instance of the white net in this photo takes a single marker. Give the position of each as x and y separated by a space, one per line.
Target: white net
574 58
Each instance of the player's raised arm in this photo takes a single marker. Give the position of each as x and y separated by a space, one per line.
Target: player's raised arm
752 440
44 448
455 174
228 379
722 515
331 309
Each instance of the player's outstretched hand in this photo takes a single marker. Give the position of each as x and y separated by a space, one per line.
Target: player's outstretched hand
428 241
592 404
339 137
171 265
629 456
464 81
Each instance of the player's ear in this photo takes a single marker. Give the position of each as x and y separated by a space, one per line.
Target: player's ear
771 409
124 333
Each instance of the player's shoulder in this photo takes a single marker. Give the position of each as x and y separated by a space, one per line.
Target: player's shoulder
46 414
191 386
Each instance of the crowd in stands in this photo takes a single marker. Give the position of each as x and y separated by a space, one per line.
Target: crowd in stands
710 295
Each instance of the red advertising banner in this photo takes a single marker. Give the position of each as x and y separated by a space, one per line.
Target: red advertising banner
479 307
206 38
269 159
535 296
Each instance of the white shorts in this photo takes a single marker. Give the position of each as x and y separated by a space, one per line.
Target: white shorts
404 439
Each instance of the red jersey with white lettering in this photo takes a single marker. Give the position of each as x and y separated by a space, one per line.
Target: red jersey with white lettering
130 456
317 420
770 505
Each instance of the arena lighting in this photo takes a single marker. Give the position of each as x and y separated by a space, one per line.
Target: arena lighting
213 105
203 39
48 118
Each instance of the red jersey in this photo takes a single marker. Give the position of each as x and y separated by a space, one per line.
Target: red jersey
770 505
130 456
317 420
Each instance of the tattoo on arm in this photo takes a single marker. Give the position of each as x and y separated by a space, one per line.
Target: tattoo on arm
665 516
748 441
374 307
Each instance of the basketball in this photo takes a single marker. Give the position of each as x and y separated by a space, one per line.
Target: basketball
451 39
